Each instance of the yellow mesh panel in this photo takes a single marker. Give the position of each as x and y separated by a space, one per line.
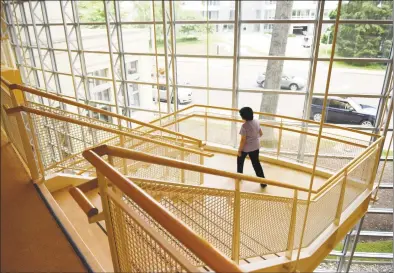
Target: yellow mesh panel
209 212
265 222
137 251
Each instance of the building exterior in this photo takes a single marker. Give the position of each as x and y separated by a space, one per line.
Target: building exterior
259 10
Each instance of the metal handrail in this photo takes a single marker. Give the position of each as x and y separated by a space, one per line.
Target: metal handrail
197 245
92 108
159 160
22 108
328 125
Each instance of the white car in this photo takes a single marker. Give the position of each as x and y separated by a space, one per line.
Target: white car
184 94
286 82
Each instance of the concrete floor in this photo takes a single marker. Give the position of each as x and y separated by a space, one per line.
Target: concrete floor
271 171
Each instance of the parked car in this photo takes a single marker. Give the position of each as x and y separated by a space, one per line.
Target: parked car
343 111
184 94
287 82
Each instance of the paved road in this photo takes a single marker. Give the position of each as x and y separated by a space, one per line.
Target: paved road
343 80
193 71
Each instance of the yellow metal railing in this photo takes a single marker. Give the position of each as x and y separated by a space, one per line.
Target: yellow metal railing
143 235
242 224
90 110
169 167
96 132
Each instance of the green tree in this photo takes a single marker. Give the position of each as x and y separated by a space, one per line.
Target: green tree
363 40
93 12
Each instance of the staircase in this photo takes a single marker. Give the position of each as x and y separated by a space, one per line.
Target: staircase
151 183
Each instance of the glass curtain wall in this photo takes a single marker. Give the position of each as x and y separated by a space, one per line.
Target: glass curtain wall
146 58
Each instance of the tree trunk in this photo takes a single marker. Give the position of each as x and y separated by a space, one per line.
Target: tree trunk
273 74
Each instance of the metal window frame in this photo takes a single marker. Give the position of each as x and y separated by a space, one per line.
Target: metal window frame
113 23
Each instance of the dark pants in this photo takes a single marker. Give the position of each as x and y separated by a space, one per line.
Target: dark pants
254 157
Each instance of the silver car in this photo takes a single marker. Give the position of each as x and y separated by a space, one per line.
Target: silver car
287 82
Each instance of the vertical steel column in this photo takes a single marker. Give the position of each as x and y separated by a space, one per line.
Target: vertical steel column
173 63
320 129
385 93
46 83
19 47
208 89
53 69
116 56
28 47
120 60
157 63
36 34
81 56
311 80
234 99
111 54
24 48
343 261
72 66
165 38
11 28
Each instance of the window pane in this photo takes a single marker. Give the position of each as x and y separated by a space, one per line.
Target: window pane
347 110
93 38
62 61
53 11
365 10
299 9
139 38
291 39
193 71
91 11
289 105
59 38
294 75
364 41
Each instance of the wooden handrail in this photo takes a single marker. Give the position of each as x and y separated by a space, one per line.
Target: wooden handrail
83 202
329 125
159 160
201 248
7 83
94 109
21 108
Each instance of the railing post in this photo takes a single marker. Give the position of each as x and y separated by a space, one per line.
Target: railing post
6 124
36 144
206 126
182 159
341 198
27 146
103 187
202 164
237 222
293 222
122 144
375 166
280 139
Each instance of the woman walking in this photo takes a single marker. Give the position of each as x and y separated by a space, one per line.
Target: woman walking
250 143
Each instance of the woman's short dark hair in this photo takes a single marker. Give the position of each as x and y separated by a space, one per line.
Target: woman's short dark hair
246 113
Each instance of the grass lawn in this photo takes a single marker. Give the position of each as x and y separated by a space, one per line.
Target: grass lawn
385 246
325 52
384 153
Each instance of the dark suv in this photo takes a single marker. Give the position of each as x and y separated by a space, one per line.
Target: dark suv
343 111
